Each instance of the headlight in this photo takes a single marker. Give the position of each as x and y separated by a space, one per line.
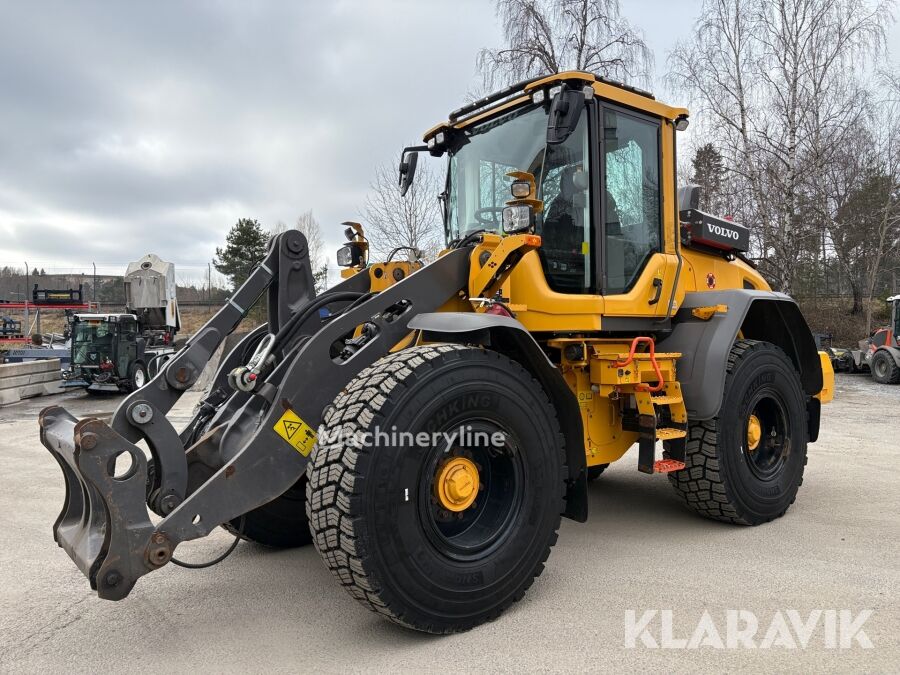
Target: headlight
516 218
348 255
520 189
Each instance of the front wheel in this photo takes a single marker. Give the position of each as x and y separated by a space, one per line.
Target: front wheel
436 489
745 465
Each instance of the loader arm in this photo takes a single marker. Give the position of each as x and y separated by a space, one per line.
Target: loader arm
182 371
240 462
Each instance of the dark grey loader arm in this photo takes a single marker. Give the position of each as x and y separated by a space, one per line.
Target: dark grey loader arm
241 462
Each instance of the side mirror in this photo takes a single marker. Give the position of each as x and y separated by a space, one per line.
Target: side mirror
565 111
688 200
408 160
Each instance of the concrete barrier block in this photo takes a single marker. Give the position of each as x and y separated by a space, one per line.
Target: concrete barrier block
33 378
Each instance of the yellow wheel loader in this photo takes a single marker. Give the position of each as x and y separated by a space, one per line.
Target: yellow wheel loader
426 427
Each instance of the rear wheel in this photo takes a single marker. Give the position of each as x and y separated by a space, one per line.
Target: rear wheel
884 368
137 376
439 503
746 465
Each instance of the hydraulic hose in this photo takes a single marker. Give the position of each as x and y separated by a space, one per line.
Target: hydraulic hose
287 332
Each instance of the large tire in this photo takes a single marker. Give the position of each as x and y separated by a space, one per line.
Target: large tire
884 368
726 477
374 506
281 523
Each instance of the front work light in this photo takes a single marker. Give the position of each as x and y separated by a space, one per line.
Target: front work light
517 218
520 189
349 255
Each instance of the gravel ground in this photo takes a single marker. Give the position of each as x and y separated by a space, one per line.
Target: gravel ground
836 549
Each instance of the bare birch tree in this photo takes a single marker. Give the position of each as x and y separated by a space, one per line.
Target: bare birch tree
550 36
412 221
887 230
773 79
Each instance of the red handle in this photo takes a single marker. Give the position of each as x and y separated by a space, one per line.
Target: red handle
634 344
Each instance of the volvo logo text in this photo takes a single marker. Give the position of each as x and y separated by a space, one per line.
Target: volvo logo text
723 232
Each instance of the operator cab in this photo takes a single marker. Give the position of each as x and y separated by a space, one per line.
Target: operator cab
590 245
101 339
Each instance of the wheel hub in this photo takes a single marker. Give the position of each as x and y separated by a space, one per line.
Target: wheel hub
754 433
456 484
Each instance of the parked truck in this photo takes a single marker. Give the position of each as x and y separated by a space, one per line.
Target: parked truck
121 351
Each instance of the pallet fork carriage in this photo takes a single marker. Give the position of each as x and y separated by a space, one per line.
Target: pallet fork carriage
590 311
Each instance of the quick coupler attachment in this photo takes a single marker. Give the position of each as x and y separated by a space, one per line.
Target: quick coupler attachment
104 525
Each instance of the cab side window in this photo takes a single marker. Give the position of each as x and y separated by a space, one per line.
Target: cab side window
632 205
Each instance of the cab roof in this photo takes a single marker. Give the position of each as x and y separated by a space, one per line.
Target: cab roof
524 91
103 317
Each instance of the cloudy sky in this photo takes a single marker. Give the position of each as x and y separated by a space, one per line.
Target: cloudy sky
135 127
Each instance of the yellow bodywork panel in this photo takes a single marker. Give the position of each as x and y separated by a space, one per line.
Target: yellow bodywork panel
827 393
385 275
706 313
487 273
605 369
602 388
604 439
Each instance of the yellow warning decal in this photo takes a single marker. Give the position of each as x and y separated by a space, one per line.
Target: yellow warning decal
296 432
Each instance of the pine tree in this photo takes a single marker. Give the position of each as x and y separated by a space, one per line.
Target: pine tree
245 245
709 170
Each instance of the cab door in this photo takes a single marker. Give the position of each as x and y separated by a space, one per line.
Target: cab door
637 263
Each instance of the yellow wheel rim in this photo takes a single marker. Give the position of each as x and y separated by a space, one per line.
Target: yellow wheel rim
754 432
457 484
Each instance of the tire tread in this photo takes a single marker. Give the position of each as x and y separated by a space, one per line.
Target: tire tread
701 485
334 483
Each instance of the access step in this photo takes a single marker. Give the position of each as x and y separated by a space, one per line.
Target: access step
666 400
669 434
667 465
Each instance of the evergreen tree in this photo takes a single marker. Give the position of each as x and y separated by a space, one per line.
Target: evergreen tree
245 245
708 173
320 277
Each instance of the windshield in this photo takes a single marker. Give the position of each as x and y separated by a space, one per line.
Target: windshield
91 340
478 189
